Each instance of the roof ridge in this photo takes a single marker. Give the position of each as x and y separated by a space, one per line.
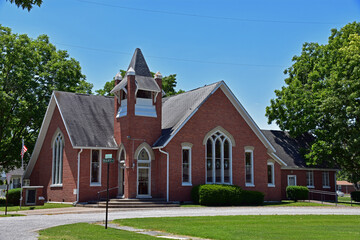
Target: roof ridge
198 88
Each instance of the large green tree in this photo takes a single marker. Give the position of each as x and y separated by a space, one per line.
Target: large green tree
28 4
30 70
168 85
322 97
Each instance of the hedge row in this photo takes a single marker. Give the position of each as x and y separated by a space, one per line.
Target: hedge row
355 196
297 193
225 195
14 196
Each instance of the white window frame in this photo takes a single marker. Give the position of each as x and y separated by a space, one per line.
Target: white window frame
249 150
137 176
57 160
288 177
213 138
311 173
326 183
96 184
182 166
272 184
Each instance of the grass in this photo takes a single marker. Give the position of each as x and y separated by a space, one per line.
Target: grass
284 203
347 202
45 206
11 215
86 231
255 227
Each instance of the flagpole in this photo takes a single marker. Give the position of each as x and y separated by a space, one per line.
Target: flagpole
22 168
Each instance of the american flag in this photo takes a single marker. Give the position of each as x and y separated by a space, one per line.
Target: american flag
23 150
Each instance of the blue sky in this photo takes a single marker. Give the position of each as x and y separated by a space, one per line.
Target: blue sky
246 43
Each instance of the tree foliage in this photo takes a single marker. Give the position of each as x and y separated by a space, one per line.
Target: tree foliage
30 70
322 96
168 85
28 4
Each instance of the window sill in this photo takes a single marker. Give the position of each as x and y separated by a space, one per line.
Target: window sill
327 187
271 185
249 185
310 186
55 185
186 184
95 184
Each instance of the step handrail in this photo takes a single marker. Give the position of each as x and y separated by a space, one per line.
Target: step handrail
322 193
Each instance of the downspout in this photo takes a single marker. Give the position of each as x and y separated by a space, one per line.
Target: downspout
167 173
78 177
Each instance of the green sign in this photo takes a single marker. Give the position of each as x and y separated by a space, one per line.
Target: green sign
108 158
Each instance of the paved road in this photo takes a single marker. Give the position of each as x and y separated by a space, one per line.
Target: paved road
27 227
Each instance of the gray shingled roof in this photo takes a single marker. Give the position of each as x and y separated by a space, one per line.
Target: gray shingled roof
289 149
143 77
89 119
176 109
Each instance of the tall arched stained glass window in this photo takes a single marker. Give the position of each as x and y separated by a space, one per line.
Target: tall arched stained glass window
218 159
57 160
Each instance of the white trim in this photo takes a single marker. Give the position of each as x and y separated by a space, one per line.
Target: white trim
277 159
63 119
99 148
309 169
96 184
57 157
149 173
272 184
56 185
249 150
288 176
312 179
189 183
327 176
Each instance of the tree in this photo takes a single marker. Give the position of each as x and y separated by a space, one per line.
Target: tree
168 85
28 4
322 97
30 70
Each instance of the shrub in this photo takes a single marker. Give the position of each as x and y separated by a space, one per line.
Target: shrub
195 194
2 201
252 198
14 196
219 195
355 196
297 193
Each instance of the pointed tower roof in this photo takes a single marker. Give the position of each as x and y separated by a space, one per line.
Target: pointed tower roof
143 77
138 63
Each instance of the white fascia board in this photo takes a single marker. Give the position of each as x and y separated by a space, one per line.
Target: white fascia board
102 148
188 118
246 116
309 169
41 137
63 119
277 159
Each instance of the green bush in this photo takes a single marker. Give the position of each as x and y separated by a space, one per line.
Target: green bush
2 201
355 196
252 198
195 194
225 195
297 193
14 196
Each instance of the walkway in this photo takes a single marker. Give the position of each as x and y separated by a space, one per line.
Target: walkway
26 227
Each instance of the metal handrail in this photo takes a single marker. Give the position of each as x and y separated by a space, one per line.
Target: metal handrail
322 193
98 193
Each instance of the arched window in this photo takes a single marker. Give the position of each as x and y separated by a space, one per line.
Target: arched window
57 159
218 159
143 173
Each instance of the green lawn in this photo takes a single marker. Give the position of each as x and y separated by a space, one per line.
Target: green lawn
46 205
255 227
11 215
284 203
347 202
86 231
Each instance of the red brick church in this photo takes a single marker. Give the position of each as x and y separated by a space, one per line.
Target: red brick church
162 146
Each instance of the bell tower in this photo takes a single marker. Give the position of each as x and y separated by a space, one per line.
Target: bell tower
137 113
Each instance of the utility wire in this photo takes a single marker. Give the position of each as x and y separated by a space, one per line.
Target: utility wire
207 16
176 59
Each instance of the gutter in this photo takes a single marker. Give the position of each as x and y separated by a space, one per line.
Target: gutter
167 173
78 177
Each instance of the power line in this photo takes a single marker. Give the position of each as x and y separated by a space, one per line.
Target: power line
207 16
175 59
